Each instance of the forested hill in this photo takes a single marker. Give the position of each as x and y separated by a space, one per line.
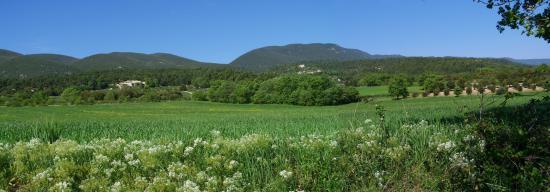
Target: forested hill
14 65
36 65
404 65
127 60
532 61
7 55
266 58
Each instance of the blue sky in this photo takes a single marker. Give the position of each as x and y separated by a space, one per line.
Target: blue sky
221 30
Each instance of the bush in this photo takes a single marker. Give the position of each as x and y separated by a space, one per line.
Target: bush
457 91
469 90
200 95
71 96
518 87
501 90
110 96
516 147
39 98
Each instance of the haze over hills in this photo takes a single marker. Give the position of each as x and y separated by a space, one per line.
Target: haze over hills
326 56
264 58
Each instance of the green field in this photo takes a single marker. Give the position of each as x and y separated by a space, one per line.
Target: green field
383 90
189 119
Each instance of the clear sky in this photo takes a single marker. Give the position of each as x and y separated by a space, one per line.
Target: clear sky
221 30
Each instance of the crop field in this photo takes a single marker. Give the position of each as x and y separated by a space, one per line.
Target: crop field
184 120
383 90
203 146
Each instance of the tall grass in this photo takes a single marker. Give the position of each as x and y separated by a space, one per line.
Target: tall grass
169 121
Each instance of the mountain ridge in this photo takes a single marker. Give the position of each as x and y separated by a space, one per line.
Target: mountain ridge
13 64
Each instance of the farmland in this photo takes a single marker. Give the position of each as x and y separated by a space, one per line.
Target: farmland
185 120
383 90
204 146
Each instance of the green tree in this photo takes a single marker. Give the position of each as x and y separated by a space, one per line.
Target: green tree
71 95
39 98
469 90
532 16
200 95
398 88
457 91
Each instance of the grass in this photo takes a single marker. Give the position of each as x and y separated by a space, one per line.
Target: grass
176 146
383 90
183 120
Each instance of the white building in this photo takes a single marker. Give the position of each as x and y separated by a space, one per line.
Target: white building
130 83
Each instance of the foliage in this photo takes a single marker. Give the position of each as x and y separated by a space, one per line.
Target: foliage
516 147
398 88
533 17
304 90
71 95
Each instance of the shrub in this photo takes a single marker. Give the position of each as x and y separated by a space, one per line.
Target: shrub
458 91
110 96
516 147
71 95
469 90
501 90
200 95
39 98
446 92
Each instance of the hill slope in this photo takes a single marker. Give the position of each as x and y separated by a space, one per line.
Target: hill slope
127 60
532 61
406 65
36 65
268 57
6 55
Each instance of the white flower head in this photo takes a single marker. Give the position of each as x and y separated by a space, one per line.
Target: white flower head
285 174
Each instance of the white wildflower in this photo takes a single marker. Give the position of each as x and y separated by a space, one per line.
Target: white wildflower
233 164
447 146
63 185
116 186
188 151
189 186
368 121
215 133
333 143
285 174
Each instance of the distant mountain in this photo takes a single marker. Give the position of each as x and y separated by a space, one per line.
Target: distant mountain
127 60
7 55
532 61
36 65
268 57
15 65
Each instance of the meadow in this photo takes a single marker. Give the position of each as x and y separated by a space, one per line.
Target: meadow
383 90
184 120
420 144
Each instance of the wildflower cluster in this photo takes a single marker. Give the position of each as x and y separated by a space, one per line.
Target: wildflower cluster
349 160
